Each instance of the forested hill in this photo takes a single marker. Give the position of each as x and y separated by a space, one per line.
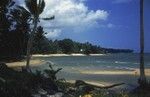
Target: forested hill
44 46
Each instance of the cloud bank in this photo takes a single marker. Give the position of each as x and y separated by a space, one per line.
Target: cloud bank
71 16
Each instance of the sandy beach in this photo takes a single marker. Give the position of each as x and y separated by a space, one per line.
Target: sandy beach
37 62
57 55
33 62
135 72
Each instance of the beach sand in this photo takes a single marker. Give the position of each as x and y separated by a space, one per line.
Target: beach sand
57 55
135 72
33 62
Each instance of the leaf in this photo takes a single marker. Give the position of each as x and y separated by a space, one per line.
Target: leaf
59 69
50 18
11 4
41 6
32 7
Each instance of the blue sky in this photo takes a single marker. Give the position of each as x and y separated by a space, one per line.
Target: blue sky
124 15
108 23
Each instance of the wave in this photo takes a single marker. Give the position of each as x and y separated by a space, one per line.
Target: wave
101 61
124 68
120 68
119 62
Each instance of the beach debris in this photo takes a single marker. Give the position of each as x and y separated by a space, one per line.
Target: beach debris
79 83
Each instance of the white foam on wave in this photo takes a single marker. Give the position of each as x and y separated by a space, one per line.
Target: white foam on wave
119 62
101 61
124 68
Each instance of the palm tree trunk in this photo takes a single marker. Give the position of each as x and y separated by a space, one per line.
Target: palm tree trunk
142 79
29 45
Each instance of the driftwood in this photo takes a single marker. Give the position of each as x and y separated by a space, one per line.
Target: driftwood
79 83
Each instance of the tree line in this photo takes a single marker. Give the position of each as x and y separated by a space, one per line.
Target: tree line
68 46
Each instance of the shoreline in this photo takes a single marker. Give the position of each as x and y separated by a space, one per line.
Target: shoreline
135 72
33 63
37 62
61 55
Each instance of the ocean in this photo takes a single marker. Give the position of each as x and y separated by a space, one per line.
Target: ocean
74 66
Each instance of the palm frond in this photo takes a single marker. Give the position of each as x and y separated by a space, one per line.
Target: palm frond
11 4
32 6
20 14
35 8
49 18
41 6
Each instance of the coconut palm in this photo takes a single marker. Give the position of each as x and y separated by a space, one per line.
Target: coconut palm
142 79
22 18
35 8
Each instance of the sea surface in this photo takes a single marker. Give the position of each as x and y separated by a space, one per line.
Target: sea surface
74 65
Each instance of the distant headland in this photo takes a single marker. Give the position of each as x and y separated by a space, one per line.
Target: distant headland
68 46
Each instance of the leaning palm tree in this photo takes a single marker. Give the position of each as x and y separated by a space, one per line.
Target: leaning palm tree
22 17
35 8
142 79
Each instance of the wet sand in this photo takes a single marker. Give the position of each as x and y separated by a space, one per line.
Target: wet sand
135 72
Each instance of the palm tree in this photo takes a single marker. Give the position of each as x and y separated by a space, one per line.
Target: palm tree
35 8
22 18
142 79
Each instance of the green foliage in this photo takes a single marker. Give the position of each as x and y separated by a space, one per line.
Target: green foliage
40 43
24 84
51 73
14 27
4 25
67 46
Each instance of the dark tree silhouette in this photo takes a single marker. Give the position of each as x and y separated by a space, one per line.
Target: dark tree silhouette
142 79
21 30
35 8
4 27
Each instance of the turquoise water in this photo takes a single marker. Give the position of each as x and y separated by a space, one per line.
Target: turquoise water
110 61
73 64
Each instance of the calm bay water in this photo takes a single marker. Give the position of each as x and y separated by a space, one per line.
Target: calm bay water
72 65
109 61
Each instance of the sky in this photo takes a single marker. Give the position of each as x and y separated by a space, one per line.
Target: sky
108 23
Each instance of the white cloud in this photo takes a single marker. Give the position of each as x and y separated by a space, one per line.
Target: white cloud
54 33
71 16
